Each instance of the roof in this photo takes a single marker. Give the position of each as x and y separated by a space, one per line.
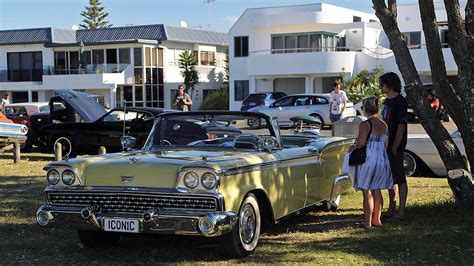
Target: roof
36 36
145 32
142 33
196 35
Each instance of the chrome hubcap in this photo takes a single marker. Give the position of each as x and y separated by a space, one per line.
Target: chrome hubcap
409 164
248 224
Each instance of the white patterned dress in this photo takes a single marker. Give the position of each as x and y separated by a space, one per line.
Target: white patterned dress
375 173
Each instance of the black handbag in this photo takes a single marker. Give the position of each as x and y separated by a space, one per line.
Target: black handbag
358 155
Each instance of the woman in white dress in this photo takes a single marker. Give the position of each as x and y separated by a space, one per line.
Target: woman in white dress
374 174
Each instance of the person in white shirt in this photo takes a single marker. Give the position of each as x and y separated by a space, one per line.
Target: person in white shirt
5 100
337 103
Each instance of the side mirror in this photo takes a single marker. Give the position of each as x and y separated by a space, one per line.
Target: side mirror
128 142
270 143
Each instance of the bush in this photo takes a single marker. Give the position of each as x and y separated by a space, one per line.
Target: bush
365 84
218 100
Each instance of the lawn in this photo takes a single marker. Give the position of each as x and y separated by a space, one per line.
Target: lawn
436 230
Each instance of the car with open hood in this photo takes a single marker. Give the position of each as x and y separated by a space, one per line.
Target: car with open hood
82 125
200 173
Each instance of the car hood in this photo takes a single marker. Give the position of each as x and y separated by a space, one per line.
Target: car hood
84 104
159 169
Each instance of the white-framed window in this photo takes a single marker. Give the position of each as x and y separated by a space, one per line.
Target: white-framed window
241 46
413 39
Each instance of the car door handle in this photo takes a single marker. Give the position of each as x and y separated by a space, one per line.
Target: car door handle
313 150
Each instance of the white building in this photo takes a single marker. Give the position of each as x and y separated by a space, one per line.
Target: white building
304 48
138 64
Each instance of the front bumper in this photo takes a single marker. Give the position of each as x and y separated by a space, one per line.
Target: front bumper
201 223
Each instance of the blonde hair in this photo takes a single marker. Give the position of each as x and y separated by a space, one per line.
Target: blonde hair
371 105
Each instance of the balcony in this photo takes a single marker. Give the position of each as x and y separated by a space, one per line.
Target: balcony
300 61
91 76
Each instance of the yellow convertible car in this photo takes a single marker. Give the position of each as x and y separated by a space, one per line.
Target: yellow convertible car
199 173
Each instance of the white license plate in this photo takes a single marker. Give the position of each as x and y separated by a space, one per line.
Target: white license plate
121 225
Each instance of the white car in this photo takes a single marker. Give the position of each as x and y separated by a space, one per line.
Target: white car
421 155
316 105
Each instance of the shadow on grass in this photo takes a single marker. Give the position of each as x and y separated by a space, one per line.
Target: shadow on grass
439 232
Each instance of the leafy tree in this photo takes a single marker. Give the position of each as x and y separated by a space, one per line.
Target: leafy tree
94 16
365 84
457 100
186 62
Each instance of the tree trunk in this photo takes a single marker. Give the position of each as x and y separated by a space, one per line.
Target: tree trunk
460 179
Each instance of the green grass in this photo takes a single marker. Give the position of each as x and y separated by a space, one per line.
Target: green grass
436 230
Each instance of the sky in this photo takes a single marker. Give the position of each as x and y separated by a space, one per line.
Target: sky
63 14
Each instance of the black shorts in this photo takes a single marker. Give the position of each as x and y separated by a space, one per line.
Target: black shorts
396 164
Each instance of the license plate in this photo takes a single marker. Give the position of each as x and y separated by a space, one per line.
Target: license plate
121 225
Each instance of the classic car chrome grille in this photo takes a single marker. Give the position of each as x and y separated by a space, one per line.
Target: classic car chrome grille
118 202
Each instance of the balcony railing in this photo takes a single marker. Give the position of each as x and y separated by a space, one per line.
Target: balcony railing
34 75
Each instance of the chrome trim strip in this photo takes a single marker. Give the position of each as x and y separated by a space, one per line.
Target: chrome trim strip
295 212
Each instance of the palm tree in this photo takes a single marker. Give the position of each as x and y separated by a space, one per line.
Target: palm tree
186 62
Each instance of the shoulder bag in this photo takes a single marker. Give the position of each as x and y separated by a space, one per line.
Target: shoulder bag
358 155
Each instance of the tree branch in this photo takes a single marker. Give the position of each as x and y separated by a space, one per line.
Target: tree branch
438 67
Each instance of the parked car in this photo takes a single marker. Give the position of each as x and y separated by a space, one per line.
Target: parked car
82 125
188 180
257 99
316 105
21 113
86 137
10 133
422 158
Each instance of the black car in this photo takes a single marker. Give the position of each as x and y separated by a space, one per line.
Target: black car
82 125
264 98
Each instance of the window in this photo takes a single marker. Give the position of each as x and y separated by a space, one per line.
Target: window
111 56
413 39
74 62
138 75
124 56
307 42
290 44
60 62
208 58
241 89
138 94
160 57
356 19
128 95
25 66
444 38
372 20
319 100
87 58
19 96
287 101
241 46
137 56
277 44
97 57
147 56
302 100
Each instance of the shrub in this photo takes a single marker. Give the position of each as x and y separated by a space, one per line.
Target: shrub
218 100
365 84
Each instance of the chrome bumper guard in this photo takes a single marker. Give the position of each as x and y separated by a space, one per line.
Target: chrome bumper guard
201 223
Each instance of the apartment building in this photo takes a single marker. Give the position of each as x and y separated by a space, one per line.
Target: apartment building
136 65
304 48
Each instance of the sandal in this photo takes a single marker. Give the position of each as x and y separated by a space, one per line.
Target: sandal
361 225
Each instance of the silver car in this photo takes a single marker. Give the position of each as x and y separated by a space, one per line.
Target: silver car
316 105
421 156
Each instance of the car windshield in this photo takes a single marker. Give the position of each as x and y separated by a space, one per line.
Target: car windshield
210 130
119 115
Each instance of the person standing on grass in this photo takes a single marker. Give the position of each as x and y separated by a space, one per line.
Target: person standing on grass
394 112
374 174
337 102
182 101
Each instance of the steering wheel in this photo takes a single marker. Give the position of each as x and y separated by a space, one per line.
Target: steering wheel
166 142
250 142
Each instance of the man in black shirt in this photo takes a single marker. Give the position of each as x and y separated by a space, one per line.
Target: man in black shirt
394 112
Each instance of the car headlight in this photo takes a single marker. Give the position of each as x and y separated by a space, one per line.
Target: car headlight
191 179
209 180
53 176
68 177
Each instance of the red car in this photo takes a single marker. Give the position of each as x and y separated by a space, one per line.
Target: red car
20 113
